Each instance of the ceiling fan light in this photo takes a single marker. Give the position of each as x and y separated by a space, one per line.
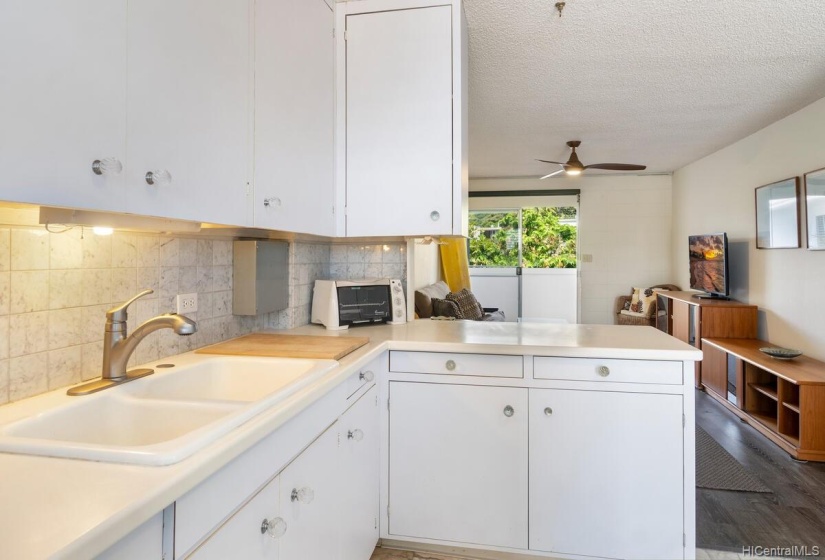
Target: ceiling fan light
573 171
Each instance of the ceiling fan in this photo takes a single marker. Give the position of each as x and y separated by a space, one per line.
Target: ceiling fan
575 167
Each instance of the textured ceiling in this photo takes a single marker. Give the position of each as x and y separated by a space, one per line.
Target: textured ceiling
656 82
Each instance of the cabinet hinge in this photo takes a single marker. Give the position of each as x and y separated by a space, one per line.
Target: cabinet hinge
375 519
376 400
388 403
346 35
388 510
684 540
684 420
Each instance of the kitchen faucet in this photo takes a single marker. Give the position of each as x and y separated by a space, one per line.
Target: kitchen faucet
118 346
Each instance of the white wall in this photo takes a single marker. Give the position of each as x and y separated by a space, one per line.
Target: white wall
624 225
716 193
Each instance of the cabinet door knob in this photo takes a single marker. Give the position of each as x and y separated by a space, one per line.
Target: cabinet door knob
275 527
366 376
107 166
272 201
450 365
159 177
435 215
356 435
305 495
604 371
548 411
509 411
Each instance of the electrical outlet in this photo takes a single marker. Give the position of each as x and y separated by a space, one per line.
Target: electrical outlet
187 303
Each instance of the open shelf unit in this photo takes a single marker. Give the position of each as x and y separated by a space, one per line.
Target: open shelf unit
784 400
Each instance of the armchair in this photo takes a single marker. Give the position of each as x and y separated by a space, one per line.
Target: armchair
647 320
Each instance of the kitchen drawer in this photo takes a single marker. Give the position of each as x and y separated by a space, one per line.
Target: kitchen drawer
483 365
358 383
620 371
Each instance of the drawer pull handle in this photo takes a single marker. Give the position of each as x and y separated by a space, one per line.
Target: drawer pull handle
159 177
356 435
275 527
107 166
548 411
509 411
450 365
305 495
604 371
435 215
366 376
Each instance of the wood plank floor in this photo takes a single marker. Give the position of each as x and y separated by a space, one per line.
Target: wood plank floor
793 515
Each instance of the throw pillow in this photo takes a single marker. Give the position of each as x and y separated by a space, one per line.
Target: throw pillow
444 308
643 301
424 296
468 306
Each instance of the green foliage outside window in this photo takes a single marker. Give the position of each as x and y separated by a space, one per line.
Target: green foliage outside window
547 242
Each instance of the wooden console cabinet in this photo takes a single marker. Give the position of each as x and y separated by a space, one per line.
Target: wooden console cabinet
691 319
782 399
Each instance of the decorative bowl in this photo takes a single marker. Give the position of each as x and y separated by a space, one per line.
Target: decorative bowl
781 353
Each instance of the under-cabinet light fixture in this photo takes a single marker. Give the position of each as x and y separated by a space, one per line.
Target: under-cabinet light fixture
105 220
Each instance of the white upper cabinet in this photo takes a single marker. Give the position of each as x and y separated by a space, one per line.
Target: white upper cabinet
62 102
294 116
189 109
402 155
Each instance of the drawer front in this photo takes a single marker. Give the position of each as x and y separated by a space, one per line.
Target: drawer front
360 382
484 365
619 371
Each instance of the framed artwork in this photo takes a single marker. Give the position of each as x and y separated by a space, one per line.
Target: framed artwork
777 215
815 208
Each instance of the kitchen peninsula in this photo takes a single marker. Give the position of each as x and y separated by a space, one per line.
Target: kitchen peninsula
611 440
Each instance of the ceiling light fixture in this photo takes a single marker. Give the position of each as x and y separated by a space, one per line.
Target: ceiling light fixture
560 7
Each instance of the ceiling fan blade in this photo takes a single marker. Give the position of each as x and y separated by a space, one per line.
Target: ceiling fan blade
552 174
616 166
555 162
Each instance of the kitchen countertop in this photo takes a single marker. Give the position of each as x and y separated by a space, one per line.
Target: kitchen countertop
64 508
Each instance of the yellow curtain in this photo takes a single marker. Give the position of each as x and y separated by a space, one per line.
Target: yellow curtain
454 265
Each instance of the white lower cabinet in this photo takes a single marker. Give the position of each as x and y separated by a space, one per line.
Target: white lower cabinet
144 543
585 468
358 464
251 532
458 463
606 474
309 501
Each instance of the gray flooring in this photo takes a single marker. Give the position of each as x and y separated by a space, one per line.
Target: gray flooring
792 515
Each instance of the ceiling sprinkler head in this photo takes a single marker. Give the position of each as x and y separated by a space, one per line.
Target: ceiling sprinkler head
560 7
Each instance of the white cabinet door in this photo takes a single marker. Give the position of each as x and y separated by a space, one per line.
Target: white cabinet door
294 116
188 109
310 495
399 122
606 474
358 436
252 533
458 463
144 543
62 101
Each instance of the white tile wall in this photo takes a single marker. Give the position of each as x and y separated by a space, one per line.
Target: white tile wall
55 289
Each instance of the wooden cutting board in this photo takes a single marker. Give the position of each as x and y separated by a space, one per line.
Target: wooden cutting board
288 346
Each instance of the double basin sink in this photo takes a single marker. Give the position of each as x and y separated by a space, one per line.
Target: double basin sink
165 417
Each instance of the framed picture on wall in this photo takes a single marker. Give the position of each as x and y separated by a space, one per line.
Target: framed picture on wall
815 208
777 215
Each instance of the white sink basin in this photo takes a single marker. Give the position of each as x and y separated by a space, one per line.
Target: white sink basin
166 417
235 379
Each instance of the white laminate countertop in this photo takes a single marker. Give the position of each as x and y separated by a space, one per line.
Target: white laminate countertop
64 508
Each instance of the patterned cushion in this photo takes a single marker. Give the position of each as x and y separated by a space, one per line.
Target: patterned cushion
444 308
643 301
468 306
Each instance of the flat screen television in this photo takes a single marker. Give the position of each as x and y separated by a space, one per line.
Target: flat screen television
709 265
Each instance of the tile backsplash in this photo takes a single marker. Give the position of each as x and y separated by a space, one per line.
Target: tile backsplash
55 289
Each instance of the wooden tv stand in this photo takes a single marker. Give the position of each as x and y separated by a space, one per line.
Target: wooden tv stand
691 319
782 399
